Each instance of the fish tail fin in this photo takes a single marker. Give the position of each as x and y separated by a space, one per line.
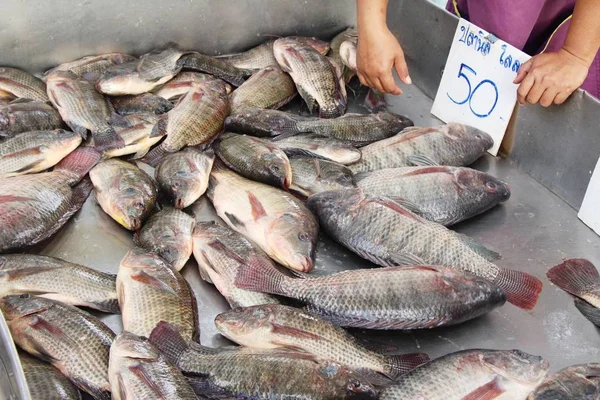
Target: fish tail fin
375 101
107 138
575 276
78 163
168 341
400 364
260 276
589 311
154 156
521 288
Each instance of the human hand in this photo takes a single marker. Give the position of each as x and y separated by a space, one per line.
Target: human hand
550 78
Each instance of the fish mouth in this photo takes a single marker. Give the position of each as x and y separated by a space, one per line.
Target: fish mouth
306 264
179 203
506 193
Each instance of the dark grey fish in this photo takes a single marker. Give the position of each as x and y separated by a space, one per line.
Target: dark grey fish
262 123
215 66
28 116
313 175
575 382
46 382
142 103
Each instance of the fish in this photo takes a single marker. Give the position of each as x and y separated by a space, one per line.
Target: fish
266 88
387 234
317 146
313 175
137 370
262 123
273 326
316 78
217 67
34 207
273 219
46 382
91 67
196 120
125 192
182 83
15 83
220 252
147 73
168 233
35 151
446 195
72 340
27 116
140 104
83 109
580 381
254 374
580 278
136 135
472 374
150 291
255 159
335 51
348 54
59 280
454 145
183 176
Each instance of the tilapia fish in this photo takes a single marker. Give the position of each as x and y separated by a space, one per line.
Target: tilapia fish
262 123
313 175
453 144
335 51
125 192
576 382
35 151
215 66
259 374
220 253
275 220
141 103
255 159
15 83
28 116
59 280
472 374
182 83
168 233
46 382
140 76
273 326
136 135
150 291
446 195
183 176
83 109
382 231
580 278
138 371
91 67
318 146
267 88
72 340
34 207
316 78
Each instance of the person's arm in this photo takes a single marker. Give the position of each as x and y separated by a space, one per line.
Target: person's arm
378 50
552 77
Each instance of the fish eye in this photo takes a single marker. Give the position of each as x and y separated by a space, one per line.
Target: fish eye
303 237
129 191
176 184
478 136
139 205
490 185
275 168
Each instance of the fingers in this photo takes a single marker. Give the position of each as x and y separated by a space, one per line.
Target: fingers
523 71
402 68
548 97
536 92
561 97
524 88
388 84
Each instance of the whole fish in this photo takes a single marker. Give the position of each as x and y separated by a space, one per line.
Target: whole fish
275 220
35 151
313 175
215 66
136 135
83 109
255 159
182 83
272 326
220 253
266 88
138 371
91 67
453 144
472 374
34 207
73 341
259 374
575 382
382 231
262 123
58 280
318 146
46 382
28 116
15 83
168 233
125 192
446 195
151 291
183 176
140 104
315 76
580 278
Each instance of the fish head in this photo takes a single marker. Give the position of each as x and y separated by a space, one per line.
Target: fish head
64 140
250 325
278 168
183 185
140 258
17 306
293 240
116 77
334 202
339 178
475 137
517 365
128 345
483 186
131 207
5 119
348 54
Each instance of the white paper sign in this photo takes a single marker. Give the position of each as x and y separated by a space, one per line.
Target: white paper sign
477 87
589 212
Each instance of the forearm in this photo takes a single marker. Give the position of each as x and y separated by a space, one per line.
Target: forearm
371 14
583 38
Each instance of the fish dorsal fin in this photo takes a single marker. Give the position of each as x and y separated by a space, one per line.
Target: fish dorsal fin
397 207
420 160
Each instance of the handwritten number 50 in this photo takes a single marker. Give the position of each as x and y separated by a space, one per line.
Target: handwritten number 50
472 91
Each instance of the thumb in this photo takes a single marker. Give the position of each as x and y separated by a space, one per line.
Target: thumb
402 69
523 71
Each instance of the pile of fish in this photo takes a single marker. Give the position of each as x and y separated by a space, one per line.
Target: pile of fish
211 127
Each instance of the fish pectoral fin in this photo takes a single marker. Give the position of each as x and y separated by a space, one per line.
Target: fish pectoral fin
140 372
86 386
149 280
409 205
406 259
489 391
421 161
478 248
204 266
209 389
293 332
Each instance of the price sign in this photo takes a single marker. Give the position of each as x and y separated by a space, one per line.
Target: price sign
477 86
588 212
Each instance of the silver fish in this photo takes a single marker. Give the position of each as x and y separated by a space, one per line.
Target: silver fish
215 66
313 175
15 83
317 146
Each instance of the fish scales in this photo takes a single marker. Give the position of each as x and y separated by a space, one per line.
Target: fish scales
25 117
267 88
21 84
46 382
